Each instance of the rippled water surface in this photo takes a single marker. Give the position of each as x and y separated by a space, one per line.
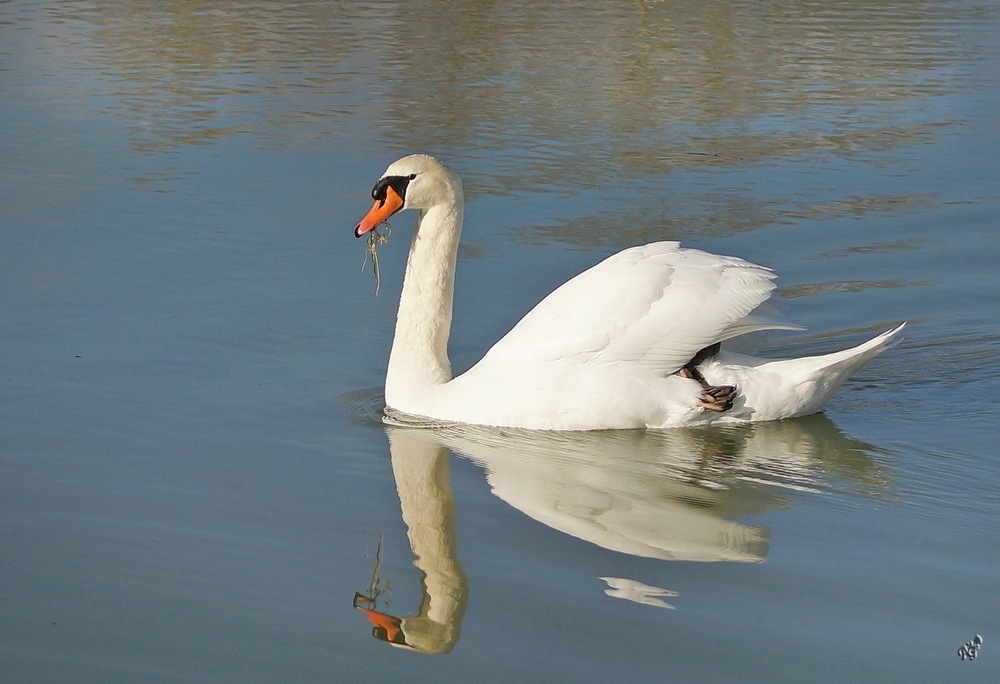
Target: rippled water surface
194 480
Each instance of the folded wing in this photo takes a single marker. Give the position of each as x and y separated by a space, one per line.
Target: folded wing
645 310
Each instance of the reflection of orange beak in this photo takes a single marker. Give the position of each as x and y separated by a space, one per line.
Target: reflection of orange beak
380 211
386 627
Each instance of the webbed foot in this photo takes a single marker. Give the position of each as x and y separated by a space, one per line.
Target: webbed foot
716 398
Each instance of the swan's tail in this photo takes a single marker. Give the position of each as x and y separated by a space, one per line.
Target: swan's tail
788 388
844 363
828 372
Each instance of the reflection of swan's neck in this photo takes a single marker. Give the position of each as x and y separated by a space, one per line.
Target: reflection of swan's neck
419 358
420 467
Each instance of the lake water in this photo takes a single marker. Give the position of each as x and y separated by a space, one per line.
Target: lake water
194 481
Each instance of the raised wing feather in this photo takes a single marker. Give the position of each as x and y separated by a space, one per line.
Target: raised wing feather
647 309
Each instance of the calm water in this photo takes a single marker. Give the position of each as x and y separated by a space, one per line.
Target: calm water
193 479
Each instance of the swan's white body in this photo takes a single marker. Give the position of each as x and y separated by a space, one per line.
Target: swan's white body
601 351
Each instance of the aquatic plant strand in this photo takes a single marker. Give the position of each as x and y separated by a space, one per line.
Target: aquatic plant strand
379 586
375 239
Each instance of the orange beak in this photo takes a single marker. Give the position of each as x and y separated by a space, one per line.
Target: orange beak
380 211
386 627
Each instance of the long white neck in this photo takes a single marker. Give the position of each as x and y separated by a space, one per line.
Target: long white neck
419 357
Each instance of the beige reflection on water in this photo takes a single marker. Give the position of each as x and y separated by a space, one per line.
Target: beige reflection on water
194 72
644 87
668 495
641 87
606 98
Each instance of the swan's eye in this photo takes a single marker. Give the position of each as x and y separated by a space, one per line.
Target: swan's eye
397 183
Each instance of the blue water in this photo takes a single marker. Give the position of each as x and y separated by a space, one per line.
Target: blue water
193 478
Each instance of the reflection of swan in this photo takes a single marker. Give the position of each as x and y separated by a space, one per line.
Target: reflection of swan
420 466
662 494
665 495
632 342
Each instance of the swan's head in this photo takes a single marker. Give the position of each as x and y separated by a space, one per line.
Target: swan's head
418 181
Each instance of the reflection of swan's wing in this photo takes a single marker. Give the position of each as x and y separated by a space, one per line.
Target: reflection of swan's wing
648 309
615 490
620 514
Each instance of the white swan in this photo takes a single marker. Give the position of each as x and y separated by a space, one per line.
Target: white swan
631 343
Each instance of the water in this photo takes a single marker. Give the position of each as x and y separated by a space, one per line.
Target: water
193 484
